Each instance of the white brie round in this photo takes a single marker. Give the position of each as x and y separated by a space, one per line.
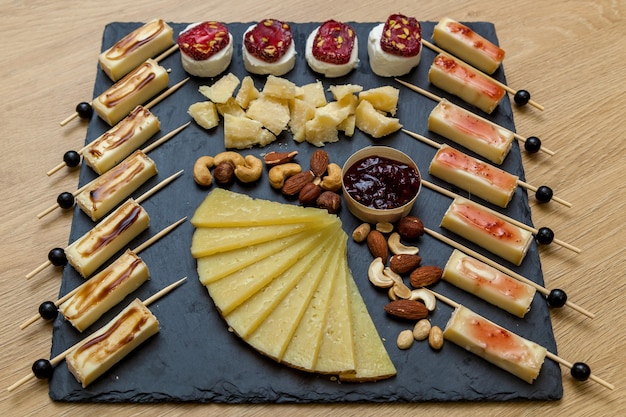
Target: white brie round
330 70
385 64
278 68
212 66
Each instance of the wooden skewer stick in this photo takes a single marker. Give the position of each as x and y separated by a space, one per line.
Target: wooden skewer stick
534 231
56 206
519 182
138 200
549 354
506 87
436 98
138 249
57 359
71 117
166 94
62 164
502 268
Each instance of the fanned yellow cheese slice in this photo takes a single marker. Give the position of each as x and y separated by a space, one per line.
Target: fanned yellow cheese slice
336 353
371 358
274 335
303 348
223 208
227 293
210 240
247 317
216 266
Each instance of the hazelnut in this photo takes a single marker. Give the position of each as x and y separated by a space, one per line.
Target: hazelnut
309 194
330 201
224 172
410 227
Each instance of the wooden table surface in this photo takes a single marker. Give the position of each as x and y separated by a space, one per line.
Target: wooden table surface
569 55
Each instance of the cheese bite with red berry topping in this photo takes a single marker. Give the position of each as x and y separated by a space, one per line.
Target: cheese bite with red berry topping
332 49
206 48
268 48
395 47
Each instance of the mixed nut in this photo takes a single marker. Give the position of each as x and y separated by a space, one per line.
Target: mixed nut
413 304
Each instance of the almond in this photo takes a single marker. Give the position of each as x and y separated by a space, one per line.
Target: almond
295 184
277 158
377 245
406 309
319 162
410 227
425 276
309 194
404 263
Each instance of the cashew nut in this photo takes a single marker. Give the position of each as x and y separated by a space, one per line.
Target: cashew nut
229 156
396 247
332 180
251 170
279 173
201 171
424 296
376 274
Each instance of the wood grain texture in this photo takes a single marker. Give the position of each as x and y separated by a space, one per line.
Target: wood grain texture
569 55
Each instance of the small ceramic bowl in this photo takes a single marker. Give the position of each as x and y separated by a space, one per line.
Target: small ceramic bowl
374 215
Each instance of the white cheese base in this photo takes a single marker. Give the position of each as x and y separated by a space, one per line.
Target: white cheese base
258 66
212 66
385 64
330 70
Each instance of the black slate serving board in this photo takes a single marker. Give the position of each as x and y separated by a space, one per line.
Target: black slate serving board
195 358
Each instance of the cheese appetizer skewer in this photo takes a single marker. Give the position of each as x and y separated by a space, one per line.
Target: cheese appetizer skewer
105 289
507 350
118 331
133 49
532 144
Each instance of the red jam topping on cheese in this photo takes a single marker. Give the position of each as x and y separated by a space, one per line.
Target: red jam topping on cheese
482 84
381 183
477 41
457 160
492 278
334 42
269 40
402 36
135 39
466 123
204 40
487 223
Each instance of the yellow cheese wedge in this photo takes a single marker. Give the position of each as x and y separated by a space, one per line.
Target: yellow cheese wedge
336 354
302 349
107 346
216 266
106 238
505 349
104 290
372 362
280 304
488 283
211 240
137 87
471 131
110 148
133 49
111 188
484 227
463 42
229 292
223 208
